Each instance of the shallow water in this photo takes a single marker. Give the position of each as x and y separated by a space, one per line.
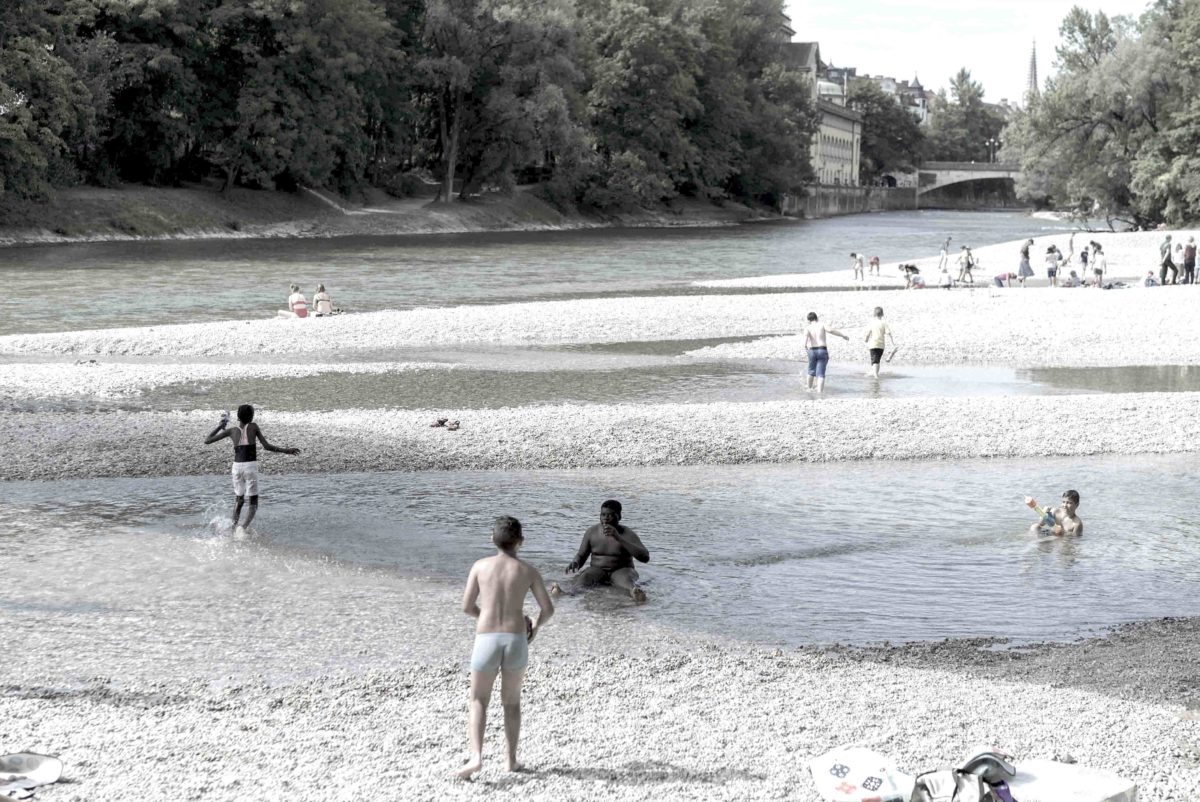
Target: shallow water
775 554
104 285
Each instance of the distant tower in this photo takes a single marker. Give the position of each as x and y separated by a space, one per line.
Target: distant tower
1031 83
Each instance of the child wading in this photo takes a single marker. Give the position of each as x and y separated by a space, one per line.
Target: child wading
245 458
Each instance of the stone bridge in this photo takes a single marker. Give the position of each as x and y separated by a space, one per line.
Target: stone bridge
934 175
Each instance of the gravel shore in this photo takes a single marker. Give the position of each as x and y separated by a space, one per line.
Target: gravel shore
677 720
72 445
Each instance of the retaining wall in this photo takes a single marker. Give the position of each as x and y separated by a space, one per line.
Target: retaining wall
831 200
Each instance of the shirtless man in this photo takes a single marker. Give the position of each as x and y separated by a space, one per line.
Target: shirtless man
495 598
245 458
1061 520
613 549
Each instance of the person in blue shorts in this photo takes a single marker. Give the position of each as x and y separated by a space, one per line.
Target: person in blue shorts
815 343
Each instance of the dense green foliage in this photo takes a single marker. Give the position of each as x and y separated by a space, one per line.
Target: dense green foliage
609 102
962 123
892 140
1117 131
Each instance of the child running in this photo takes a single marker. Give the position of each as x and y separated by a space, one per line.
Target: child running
1061 520
245 459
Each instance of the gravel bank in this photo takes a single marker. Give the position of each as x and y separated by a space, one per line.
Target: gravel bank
1032 327
674 722
71 445
1130 255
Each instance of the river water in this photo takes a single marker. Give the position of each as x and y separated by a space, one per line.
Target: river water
104 285
143 573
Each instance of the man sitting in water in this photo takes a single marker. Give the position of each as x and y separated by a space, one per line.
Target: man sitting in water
245 458
1058 520
613 549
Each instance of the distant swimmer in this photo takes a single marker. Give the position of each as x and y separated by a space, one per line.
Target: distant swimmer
495 598
245 458
613 548
1061 520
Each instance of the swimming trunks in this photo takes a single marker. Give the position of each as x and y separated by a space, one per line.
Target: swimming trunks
245 478
876 355
496 650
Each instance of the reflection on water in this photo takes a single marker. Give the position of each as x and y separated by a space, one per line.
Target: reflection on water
794 554
105 285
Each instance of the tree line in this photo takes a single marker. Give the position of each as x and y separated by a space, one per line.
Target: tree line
607 102
1117 131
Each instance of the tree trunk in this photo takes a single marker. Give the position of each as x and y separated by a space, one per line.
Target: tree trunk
450 132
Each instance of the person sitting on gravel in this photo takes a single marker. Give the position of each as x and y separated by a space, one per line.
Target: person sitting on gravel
613 548
322 303
297 304
1061 520
495 598
245 459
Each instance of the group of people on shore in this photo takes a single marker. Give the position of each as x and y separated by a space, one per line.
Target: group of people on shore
1180 260
298 306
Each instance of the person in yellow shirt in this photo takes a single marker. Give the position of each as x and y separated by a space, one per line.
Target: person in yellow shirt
877 331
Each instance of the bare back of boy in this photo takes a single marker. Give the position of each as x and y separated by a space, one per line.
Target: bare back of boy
502 584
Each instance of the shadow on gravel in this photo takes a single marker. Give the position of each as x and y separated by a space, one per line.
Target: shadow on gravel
96 695
1150 661
652 771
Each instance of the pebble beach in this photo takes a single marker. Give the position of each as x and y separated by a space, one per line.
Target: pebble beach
639 712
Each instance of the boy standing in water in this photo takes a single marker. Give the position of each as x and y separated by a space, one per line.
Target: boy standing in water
876 331
1061 520
245 458
495 598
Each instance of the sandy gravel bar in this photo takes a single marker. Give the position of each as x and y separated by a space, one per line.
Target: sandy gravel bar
1031 327
69 444
676 722
1130 255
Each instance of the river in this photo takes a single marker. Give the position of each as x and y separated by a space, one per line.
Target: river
815 553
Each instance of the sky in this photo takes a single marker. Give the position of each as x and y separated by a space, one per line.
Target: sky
933 39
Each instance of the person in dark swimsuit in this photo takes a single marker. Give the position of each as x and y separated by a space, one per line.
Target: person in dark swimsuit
245 458
613 548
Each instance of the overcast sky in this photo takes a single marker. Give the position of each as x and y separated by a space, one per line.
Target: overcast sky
934 38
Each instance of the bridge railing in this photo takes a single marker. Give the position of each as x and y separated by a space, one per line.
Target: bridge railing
981 166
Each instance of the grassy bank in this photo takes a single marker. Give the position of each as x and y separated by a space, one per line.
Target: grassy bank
137 212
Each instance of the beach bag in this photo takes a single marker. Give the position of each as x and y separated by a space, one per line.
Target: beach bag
952 785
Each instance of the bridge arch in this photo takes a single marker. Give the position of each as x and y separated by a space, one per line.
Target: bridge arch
935 175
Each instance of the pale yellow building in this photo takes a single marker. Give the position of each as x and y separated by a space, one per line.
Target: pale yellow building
838 141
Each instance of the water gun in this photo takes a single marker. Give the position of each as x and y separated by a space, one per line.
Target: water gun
1046 515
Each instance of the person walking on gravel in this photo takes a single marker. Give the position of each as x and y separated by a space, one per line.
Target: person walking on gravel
1166 263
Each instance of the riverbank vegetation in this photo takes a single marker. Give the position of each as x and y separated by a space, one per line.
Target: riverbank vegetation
607 103
1117 131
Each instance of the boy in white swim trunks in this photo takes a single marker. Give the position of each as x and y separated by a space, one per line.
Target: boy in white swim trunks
495 597
245 458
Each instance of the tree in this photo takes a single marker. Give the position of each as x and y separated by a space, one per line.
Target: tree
1081 141
891 137
45 106
962 123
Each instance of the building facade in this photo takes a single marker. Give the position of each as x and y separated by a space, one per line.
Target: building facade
834 152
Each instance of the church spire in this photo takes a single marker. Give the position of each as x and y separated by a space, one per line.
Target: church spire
1031 82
